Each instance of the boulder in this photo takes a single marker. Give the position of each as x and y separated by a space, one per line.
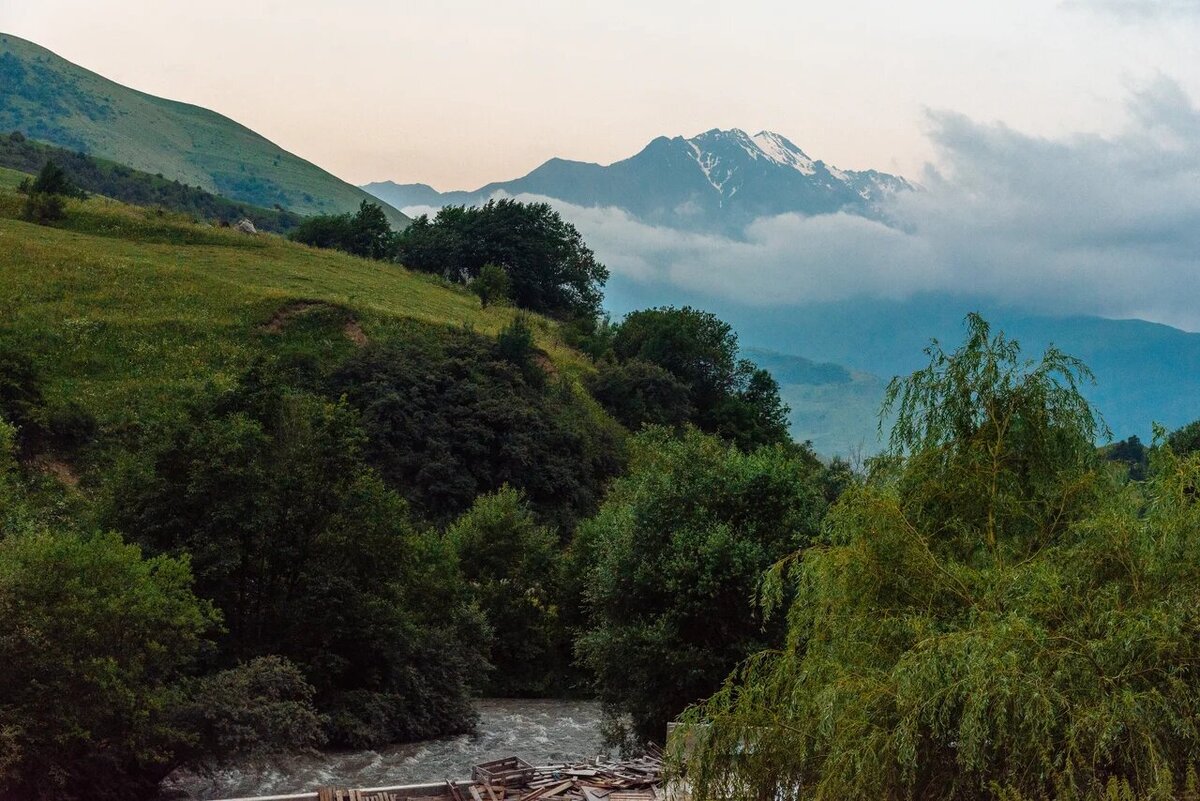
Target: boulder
246 227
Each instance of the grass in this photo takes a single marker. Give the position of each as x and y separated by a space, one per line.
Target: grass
130 312
10 178
53 100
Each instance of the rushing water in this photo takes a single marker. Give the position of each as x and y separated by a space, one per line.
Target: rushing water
541 732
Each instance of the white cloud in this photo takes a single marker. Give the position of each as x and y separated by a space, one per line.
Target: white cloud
1084 224
1139 9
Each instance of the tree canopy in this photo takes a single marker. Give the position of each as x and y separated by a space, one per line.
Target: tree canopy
551 269
450 415
365 233
311 557
669 563
724 394
995 613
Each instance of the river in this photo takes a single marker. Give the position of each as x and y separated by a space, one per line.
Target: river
539 731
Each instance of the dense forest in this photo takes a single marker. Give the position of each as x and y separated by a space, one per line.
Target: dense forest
344 545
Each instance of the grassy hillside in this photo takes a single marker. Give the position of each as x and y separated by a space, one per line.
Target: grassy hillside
53 100
129 311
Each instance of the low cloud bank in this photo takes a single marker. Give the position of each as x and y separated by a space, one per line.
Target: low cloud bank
1139 9
1085 224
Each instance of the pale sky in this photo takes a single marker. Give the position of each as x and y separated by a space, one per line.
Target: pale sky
457 94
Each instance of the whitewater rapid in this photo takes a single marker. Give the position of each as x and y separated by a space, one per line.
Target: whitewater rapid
540 731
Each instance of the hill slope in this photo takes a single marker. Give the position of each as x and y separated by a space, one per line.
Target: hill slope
130 312
51 99
103 177
718 179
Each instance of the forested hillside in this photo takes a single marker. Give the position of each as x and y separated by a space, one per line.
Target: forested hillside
321 497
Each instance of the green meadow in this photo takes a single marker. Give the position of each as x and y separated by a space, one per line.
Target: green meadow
128 310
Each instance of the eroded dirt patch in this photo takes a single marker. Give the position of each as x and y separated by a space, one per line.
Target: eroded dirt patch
290 311
296 309
353 331
547 366
56 468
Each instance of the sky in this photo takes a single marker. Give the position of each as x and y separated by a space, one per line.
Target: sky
460 94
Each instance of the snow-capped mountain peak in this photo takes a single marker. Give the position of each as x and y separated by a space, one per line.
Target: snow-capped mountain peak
781 151
721 154
722 179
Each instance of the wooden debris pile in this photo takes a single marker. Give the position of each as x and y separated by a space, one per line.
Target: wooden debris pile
512 779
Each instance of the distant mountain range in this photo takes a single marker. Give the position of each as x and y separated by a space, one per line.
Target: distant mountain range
52 100
718 180
1145 372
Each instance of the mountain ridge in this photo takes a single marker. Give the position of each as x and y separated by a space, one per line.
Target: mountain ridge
51 99
720 179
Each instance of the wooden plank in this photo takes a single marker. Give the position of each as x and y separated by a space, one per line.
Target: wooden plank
548 791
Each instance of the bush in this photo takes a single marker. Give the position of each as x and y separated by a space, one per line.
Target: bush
365 233
330 231
53 180
669 566
261 707
513 567
43 209
39 424
639 393
492 285
22 403
1185 440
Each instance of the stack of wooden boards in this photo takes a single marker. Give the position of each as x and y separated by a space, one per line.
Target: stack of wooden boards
513 779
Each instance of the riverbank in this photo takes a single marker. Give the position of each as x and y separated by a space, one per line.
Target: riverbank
542 731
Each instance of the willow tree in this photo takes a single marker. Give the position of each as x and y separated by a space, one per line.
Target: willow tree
991 615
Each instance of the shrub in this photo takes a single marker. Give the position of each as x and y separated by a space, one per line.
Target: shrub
43 209
22 403
53 180
365 233
639 393
263 706
492 285
447 418
39 424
